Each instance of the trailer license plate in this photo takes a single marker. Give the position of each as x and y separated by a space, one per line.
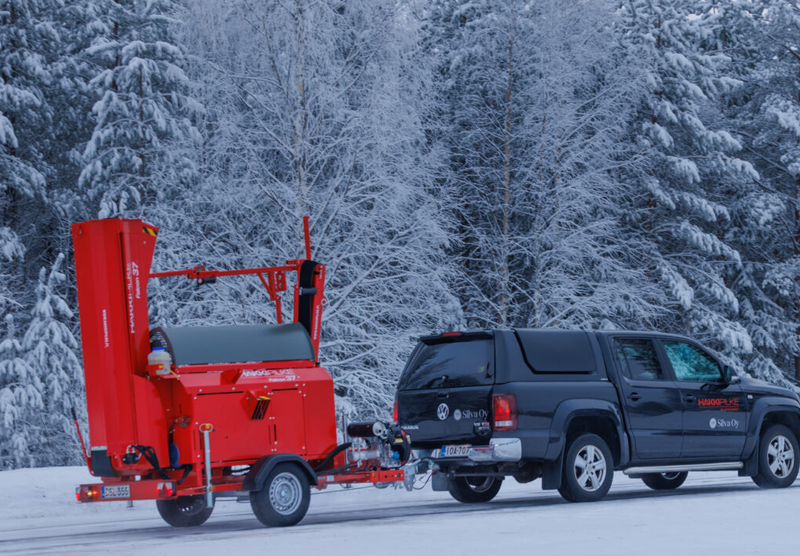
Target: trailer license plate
116 491
455 451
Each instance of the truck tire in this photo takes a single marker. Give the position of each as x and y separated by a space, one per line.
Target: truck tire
664 481
588 470
185 511
474 490
777 458
284 498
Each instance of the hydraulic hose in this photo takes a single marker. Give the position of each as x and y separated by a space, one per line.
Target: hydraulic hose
335 452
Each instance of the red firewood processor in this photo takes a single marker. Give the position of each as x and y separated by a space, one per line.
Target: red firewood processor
183 415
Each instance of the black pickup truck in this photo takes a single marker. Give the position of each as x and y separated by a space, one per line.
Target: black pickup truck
573 406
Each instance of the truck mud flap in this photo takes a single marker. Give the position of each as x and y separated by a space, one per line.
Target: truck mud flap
439 481
750 468
551 476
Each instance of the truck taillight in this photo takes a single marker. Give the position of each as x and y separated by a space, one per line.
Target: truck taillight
395 411
504 411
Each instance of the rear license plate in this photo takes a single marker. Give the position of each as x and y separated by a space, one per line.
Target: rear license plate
460 451
116 491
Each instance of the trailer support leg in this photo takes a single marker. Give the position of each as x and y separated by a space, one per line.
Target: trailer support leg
206 429
86 457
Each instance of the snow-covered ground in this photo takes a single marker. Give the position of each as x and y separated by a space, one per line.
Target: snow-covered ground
716 513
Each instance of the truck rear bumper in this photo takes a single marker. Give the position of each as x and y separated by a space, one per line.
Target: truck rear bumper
499 449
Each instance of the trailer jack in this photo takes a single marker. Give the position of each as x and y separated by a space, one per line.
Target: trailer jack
206 429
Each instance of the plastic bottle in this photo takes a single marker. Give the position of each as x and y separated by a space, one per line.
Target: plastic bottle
160 356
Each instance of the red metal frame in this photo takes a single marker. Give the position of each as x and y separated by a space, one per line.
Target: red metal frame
274 284
137 412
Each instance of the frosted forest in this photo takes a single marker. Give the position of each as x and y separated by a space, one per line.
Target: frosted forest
585 164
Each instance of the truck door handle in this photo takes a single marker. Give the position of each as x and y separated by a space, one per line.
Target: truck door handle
689 397
442 395
635 396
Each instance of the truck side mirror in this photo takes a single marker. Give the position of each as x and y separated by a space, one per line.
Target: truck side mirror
729 376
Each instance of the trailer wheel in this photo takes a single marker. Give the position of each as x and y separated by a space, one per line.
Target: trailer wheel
588 470
778 452
184 511
474 490
664 481
284 498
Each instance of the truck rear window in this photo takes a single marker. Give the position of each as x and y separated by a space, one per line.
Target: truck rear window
449 365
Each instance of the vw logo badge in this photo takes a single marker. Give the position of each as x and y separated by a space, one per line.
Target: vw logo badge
712 423
442 411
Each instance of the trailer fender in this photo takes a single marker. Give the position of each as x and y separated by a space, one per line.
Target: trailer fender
760 412
255 478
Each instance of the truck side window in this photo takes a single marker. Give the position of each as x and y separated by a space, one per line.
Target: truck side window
692 364
638 359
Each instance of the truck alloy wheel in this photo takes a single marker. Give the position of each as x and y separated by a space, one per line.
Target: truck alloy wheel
588 470
184 511
472 490
777 458
780 456
665 481
284 498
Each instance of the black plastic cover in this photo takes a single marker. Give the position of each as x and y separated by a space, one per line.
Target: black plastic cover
209 345
260 470
306 307
101 463
557 351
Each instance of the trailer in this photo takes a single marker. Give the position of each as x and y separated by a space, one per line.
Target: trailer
184 415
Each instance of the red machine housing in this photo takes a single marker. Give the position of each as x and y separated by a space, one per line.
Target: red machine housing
112 266
146 422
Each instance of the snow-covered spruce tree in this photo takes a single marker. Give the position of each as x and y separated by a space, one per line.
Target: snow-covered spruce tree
759 205
475 53
758 36
24 72
538 96
71 97
44 124
30 48
26 38
11 249
20 402
50 349
683 213
316 108
142 103
580 265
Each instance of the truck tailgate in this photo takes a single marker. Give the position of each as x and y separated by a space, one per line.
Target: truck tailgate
444 395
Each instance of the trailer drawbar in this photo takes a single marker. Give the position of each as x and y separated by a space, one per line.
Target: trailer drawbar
183 415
